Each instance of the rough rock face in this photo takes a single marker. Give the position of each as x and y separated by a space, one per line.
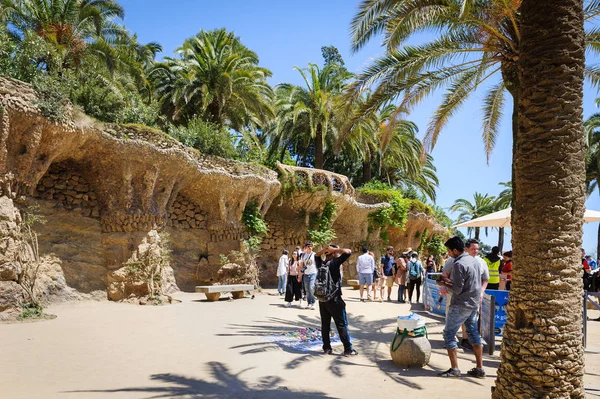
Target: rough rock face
146 274
412 352
102 188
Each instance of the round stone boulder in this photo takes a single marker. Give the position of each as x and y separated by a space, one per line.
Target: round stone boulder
412 352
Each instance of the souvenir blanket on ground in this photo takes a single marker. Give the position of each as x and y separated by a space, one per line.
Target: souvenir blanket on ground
304 339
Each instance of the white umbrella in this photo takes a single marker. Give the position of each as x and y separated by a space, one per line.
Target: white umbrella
502 219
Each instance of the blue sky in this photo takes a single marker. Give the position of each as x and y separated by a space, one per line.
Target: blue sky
287 33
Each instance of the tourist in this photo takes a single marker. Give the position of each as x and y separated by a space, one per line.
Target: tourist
294 290
308 272
282 272
587 275
401 271
415 276
507 267
336 307
365 266
472 249
387 266
376 278
492 261
465 285
430 265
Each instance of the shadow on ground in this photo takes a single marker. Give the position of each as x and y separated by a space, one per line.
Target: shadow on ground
371 342
227 385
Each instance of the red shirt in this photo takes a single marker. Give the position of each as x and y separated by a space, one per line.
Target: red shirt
507 268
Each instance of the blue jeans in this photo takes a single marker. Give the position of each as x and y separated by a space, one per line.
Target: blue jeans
281 283
454 319
309 287
401 289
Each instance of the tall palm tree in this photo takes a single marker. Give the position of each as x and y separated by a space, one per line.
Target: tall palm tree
542 351
503 201
73 29
216 78
474 42
306 114
482 205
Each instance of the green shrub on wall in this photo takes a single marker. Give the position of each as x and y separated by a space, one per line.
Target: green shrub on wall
324 233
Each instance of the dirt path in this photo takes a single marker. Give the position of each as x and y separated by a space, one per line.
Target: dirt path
197 349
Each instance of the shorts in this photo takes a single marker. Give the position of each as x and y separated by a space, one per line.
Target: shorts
365 278
389 281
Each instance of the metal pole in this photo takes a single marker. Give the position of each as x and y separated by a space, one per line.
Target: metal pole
584 319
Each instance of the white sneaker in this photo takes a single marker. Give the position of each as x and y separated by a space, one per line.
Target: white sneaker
312 307
287 305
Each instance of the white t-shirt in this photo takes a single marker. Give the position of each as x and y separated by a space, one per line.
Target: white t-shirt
282 266
309 262
365 264
485 273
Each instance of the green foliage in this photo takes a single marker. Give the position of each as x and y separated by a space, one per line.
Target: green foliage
103 102
30 311
223 259
395 215
253 220
206 137
417 206
331 55
435 245
441 217
324 233
253 244
53 94
215 78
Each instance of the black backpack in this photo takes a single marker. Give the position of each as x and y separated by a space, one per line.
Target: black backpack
325 288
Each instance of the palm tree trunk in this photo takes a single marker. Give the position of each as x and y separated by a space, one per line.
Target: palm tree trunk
477 233
366 172
542 353
500 238
319 148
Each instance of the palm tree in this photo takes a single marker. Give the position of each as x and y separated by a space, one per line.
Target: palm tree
542 352
216 78
74 29
503 201
305 115
482 205
475 41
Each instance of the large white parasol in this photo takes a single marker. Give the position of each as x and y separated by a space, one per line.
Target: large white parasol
502 219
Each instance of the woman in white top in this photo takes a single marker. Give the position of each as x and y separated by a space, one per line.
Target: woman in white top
294 286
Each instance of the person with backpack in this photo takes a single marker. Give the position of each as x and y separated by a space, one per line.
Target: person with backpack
328 290
415 273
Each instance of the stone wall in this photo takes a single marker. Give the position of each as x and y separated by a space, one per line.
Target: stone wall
102 188
64 184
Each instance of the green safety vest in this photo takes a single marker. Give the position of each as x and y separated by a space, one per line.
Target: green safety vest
494 269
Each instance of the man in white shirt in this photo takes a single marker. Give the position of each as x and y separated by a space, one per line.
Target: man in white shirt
282 272
365 266
309 274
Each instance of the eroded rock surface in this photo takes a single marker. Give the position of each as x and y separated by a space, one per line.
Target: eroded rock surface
103 189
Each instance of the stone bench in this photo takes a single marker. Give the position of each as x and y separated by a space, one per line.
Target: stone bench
213 292
354 284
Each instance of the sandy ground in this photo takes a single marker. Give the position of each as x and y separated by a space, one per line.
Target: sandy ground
197 349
